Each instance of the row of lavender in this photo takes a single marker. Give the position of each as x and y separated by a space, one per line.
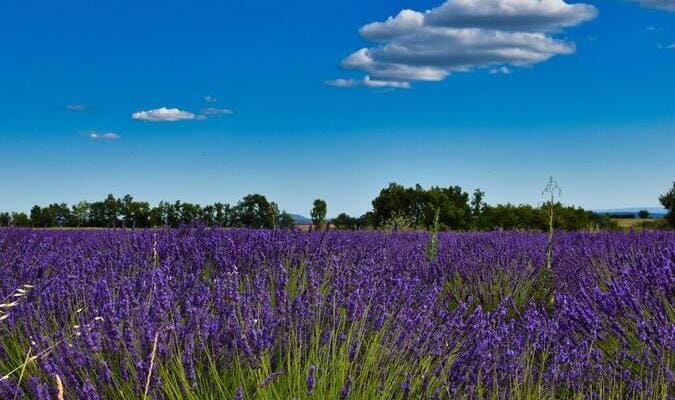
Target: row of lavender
102 299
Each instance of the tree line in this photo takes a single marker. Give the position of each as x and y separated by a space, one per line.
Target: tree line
253 211
395 208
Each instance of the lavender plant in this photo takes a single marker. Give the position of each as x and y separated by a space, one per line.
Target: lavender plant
251 314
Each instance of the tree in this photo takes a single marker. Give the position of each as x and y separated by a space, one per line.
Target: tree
189 212
207 216
60 214
345 222
127 211
254 211
274 208
141 213
20 219
97 215
477 204
173 215
5 219
416 207
43 217
643 214
365 221
668 202
318 213
80 214
285 220
222 214
111 207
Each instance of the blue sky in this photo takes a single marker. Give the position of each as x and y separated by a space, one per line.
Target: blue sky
79 81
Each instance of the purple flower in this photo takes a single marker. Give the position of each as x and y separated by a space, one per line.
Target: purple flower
311 379
346 388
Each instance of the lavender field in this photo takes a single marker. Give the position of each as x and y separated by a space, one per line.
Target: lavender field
245 314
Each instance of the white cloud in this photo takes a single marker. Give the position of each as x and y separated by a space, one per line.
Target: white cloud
103 136
462 35
163 115
511 15
374 83
76 107
501 70
367 82
212 111
210 99
343 83
668 5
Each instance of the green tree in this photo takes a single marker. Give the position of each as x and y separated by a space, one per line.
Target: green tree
141 214
127 210
318 213
112 208
222 214
173 215
43 217
20 219
97 214
80 214
416 207
254 211
189 212
365 221
345 222
5 219
643 214
285 220
477 203
207 215
668 202
60 214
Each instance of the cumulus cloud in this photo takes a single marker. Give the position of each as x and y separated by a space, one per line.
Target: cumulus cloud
668 5
462 35
103 135
163 115
212 111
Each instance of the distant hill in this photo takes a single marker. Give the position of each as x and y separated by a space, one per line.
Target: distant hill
300 220
654 212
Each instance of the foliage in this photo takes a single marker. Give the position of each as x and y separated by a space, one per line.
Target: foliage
419 206
668 202
254 211
318 213
285 221
345 222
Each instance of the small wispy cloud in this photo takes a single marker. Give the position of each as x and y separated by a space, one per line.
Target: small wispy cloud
666 46
210 99
76 107
500 71
668 5
367 82
103 135
343 83
212 111
164 114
